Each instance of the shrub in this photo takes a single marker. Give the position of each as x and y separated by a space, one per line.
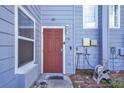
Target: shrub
117 85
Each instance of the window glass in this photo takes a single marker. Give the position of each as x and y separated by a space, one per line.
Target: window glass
90 16
25 38
114 16
25 52
26 25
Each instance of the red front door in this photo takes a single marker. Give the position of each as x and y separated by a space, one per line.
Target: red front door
52 54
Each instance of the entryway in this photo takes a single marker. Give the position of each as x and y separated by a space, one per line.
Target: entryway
53 80
53 49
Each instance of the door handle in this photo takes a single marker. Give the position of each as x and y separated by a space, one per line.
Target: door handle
61 50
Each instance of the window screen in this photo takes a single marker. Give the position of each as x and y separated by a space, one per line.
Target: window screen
26 26
90 16
25 38
25 52
26 32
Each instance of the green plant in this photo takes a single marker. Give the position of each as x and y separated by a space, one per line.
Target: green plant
106 81
103 82
117 85
75 84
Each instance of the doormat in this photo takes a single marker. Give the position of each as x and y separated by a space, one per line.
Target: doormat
56 77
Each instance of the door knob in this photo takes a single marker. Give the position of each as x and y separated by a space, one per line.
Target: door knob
61 50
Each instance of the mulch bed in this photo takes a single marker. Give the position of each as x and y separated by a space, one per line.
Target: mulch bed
83 79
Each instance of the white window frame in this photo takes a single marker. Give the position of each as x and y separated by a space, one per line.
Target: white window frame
26 66
110 26
96 21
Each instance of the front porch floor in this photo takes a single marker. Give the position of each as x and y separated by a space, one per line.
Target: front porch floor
51 80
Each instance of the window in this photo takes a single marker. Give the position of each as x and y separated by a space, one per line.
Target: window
90 16
25 37
114 16
25 52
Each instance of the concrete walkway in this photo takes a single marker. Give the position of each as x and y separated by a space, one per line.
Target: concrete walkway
63 81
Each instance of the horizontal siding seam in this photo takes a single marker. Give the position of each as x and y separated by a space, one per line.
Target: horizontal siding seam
8 82
7 21
7 58
56 14
35 12
7 9
38 9
32 14
6 33
54 10
7 70
7 45
56 19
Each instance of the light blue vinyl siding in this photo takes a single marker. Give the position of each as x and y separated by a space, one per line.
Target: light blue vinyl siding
104 37
81 33
116 39
72 15
100 32
63 15
8 78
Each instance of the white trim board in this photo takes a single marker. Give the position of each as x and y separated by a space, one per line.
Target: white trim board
52 27
17 37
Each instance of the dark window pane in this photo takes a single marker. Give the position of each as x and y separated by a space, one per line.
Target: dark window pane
25 52
116 15
28 32
24 20
26 25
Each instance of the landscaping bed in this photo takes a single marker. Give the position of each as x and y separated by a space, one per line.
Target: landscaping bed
83 79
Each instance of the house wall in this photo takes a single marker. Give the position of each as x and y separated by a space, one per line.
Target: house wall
81 33
100 32
7 45
56 16
105 37
62 15
116 39
8 78
73 16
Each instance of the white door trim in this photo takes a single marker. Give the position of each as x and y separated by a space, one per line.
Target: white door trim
52 27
